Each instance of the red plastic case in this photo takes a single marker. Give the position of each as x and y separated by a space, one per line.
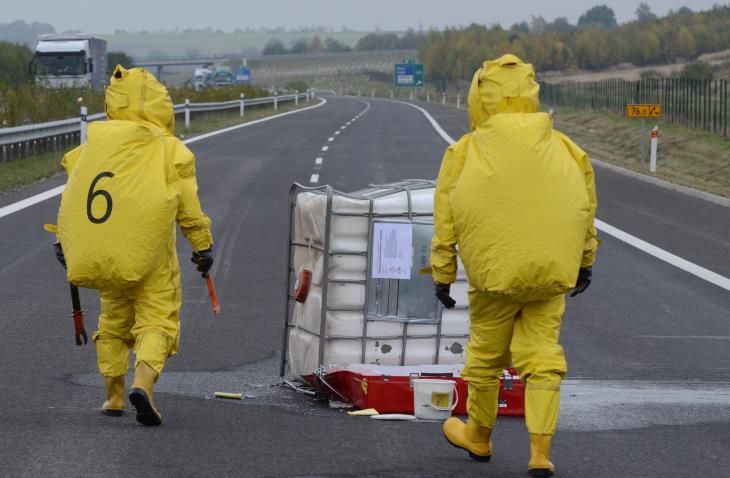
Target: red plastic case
394 393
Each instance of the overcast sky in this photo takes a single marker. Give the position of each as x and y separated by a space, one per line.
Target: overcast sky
105 17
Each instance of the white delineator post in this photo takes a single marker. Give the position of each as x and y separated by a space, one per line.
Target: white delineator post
276 101
296 98
84 124
391 94
654 141
411 95
458 101
187 113
372 93
242 106
443 98
428 97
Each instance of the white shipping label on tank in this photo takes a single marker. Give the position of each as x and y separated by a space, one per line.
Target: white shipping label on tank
392 250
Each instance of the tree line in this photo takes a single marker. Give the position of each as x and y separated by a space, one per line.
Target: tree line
597 42
370 42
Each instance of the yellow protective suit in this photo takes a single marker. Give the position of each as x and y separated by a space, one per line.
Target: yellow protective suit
518 199
127 187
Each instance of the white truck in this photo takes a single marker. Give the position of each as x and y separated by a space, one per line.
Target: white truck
202 79
70 61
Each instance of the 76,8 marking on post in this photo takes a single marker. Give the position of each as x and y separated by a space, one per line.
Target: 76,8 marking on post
643 111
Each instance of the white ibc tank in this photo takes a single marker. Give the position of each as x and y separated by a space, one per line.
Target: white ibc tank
343 332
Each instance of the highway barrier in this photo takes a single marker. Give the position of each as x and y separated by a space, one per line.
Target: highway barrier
693 103
22 141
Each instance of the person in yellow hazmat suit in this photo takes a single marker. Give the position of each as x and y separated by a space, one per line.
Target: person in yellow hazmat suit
516 199
128 186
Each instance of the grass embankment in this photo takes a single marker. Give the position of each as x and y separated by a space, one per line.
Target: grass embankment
15 174
685 156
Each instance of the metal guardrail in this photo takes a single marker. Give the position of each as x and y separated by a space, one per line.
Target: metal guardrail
21 141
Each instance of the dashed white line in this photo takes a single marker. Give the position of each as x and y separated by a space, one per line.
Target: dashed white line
330 139
337 132
314 178
318 161
325 148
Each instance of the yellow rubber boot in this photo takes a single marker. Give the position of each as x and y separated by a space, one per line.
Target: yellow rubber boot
141 395
114 405
469 436
540 464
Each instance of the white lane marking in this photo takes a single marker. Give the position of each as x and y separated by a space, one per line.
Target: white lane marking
318 161
251 123
666 256
330 139
325 148
314 178
683 337
337 132
17 206
349 122
343 127
25 203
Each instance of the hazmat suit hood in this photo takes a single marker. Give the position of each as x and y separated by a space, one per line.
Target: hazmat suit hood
136 95
504 85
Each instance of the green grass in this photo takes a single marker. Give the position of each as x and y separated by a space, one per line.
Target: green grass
686 156
15 174
19 173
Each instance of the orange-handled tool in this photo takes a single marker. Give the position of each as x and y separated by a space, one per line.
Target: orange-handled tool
213 295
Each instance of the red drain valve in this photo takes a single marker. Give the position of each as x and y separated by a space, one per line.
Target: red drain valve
301 288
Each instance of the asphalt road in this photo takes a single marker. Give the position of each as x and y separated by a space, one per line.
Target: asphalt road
648 345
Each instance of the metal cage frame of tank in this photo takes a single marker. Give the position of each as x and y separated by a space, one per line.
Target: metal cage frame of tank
371 193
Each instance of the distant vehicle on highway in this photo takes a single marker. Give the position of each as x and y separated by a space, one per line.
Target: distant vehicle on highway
69 61
223 76
243 76
202 78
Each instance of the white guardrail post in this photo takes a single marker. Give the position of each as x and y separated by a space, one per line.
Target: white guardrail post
19 141
187 113
654 141
84 123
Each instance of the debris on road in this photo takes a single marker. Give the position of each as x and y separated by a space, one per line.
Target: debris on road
368 412
394 416
232 396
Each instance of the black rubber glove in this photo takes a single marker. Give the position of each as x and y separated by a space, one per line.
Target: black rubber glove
442 294
584 280
59 253
203 259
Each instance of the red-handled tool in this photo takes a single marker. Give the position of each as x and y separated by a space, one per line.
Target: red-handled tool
78 316
213 295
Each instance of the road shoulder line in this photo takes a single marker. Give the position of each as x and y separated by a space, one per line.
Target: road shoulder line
652 250
32 200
